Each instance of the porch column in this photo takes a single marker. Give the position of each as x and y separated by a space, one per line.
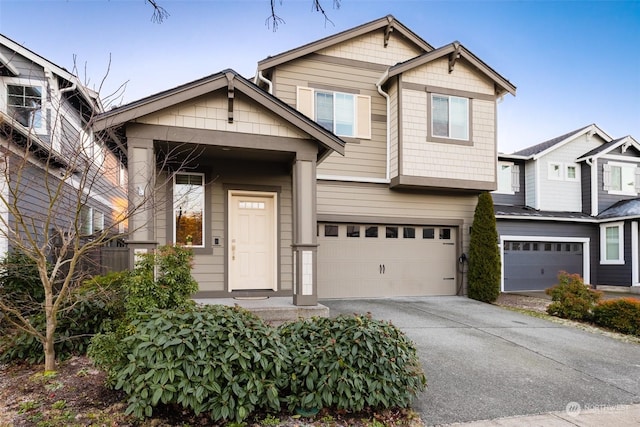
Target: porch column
305 243
141 169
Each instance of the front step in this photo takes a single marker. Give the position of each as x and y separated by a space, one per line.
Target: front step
273 311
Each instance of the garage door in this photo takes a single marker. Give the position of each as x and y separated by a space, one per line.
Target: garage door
367 260
534 266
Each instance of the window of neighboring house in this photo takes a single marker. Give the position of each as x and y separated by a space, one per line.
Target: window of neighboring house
24 104
91 220
612 243
188 205
555 171
345 114
508 178
620 178
571 173
122 175
450 117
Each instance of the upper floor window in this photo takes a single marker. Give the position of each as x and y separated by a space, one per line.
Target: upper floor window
345 114
612 243
620 178
508 178
188 206
450 117
24 104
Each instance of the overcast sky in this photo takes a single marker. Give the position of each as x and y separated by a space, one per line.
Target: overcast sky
574 63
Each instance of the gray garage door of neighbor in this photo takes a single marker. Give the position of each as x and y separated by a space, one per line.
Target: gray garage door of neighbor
380 260
534 266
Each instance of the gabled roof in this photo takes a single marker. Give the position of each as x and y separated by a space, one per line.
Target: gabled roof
539 150
458 51
89 96
609 146
168 98
388 22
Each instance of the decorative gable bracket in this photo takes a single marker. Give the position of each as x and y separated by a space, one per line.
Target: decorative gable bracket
454 56
387 32
230 95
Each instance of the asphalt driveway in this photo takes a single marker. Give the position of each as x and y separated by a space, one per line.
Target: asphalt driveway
484 362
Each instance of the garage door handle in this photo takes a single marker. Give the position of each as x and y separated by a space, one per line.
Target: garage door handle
382 268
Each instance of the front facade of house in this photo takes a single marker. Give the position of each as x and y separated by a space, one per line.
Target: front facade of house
48 153
568 204
350 169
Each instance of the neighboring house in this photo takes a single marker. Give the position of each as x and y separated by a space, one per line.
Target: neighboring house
44 115
351 170
570 203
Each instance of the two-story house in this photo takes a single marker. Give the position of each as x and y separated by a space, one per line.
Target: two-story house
568 204
350 168
55 177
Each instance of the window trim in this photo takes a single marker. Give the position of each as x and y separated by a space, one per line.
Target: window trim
514 178
550 171
306 104
603 243
204 209
16 81
449 121
607 178
566 172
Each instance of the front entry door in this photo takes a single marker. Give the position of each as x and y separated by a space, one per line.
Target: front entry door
252 254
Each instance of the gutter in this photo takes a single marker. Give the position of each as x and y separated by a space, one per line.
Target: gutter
382 79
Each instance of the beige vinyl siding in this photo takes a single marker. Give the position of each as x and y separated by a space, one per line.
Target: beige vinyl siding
211 112
209 269
464 77
363 157
370 48
373 200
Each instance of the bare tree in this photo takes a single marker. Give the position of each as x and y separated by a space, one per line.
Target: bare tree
63 196
273 21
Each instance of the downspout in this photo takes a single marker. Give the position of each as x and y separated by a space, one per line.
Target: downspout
263 79
386 96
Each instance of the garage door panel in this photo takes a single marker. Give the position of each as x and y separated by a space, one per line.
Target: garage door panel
406 265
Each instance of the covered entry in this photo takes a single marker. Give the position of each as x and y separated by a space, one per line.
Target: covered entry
382 260
533 264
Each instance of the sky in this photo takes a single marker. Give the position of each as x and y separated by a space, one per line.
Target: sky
573 62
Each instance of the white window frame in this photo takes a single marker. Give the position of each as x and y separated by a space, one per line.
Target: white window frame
507 180
334 119
619 260
552 175
306 104
622 166
16 81
449 118
576 167
202 201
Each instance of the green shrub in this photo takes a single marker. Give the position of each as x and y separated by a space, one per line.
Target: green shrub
20 282
142 293
572 299
80 318
212 359
622 315
350 362
484 254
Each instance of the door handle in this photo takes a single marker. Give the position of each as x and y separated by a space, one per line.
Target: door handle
382 268
233 252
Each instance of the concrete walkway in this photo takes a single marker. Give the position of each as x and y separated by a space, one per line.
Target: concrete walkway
486 363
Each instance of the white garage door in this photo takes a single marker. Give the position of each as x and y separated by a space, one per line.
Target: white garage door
365 260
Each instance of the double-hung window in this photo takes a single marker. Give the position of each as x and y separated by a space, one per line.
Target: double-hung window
345 114
24 105
449 117
612 243
188 206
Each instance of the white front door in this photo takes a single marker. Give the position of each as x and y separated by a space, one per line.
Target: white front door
252 245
